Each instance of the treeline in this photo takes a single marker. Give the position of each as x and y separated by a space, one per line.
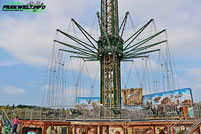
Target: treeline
18 106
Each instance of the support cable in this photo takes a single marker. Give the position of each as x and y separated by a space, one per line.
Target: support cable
129 74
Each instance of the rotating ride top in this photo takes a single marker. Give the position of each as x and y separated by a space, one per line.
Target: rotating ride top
111 49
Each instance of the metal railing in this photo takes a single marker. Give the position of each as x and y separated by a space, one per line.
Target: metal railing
154 112
195 111
98 112
193 127
6 118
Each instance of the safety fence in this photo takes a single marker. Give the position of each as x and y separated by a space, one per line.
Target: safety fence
153 112
179 113
194 112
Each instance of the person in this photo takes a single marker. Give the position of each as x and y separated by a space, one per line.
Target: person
15 123
6 127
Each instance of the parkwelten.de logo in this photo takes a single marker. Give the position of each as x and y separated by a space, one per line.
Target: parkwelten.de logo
29 7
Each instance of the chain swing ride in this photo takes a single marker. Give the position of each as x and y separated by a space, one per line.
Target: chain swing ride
116 47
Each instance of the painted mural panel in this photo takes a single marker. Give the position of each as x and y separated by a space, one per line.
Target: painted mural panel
190 112
164 104
143 130
87 100
92 130
132 96
180 96
115 130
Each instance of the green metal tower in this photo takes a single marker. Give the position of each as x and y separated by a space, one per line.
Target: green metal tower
110 49
110 46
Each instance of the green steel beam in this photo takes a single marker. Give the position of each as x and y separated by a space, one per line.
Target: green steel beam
125 17
76 48
101 102
134 57
100 24
114 79
136 34
145 47
124 24
146 52
117 14
127 60
91 60
77 40
85 33
106 35
75 52
82 57
113 28
143 41
81 28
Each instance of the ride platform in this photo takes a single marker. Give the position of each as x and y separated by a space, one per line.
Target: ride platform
105 126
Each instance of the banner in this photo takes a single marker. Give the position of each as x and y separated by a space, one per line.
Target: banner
132 96
180 96
87 100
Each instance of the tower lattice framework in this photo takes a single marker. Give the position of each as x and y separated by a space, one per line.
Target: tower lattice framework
110 44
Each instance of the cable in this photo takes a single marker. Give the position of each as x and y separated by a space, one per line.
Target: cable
129 74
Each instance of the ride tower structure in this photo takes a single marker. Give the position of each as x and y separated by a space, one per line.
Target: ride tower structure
110 49
110 46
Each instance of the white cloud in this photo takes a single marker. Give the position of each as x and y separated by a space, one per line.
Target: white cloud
197 87
182 23
14 90
29 38
67 96
190 78
9 63
24 40
184 35
195 74
88 68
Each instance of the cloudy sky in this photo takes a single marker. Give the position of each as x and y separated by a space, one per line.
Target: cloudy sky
26 41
